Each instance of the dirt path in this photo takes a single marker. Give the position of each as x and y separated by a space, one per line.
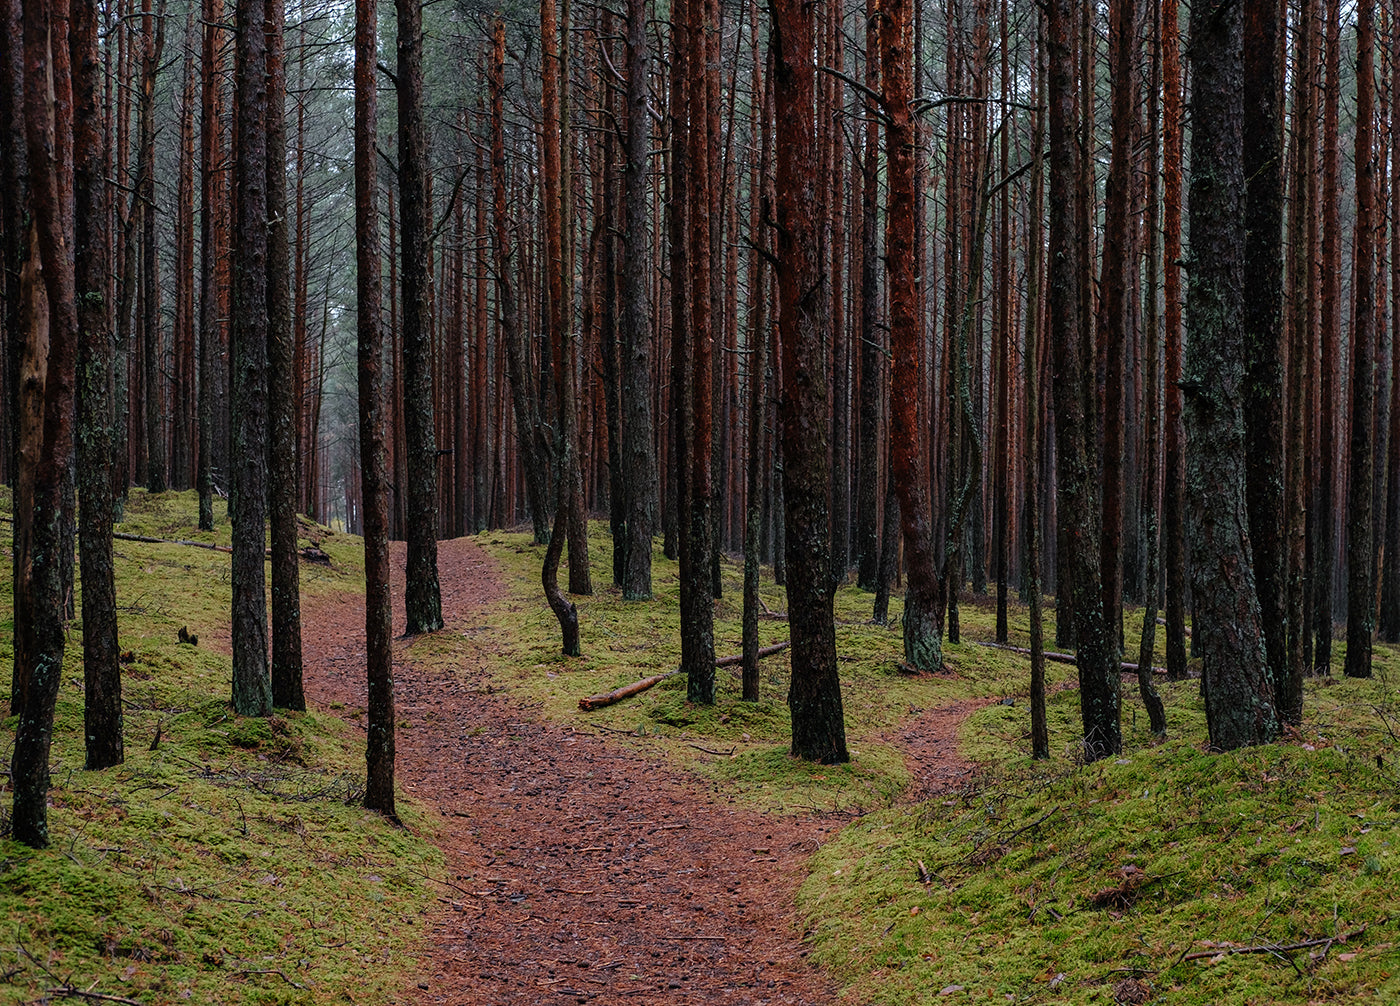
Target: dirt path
582 871
586 873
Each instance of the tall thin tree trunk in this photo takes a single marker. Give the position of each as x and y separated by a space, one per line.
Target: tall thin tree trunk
422 596
102 683
697 526
1040 735
153 40
1152 404
871 337
1238 691
923 598
638 425
1288 691
814 696
48 135
252 689
1263 321
1078 507
1361 595
281 381
1324 528
212 211
374 488
1174 486
1114 320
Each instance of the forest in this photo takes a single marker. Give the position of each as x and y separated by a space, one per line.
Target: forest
980 372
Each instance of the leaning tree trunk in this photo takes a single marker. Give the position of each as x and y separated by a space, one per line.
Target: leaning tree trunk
422 596
1239 694
814 696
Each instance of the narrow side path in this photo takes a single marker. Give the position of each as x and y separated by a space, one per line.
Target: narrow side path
582 872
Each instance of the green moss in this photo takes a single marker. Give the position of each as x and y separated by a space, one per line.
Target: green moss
1054 882
232 846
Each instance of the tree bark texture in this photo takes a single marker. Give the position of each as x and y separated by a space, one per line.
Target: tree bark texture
638 425
422 597
252 688
923 597
48 137
373 405
697 525
1075 434
814 697
1238 692
1263 322
102 683
281 381
1361 594
1174 484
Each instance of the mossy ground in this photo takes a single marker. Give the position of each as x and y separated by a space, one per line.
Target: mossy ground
1048 882
234 849
231 851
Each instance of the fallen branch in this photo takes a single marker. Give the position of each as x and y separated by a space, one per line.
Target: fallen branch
763 651
1275 948
712 751
170 541
1059 658
592 702
69 991
311 553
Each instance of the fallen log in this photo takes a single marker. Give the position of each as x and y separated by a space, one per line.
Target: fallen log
1059 658
591 702
170 541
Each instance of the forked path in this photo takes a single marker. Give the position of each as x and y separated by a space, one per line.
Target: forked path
579 871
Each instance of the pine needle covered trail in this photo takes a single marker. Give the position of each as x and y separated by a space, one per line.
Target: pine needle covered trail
575 868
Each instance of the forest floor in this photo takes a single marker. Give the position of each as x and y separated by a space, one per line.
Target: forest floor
579 870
